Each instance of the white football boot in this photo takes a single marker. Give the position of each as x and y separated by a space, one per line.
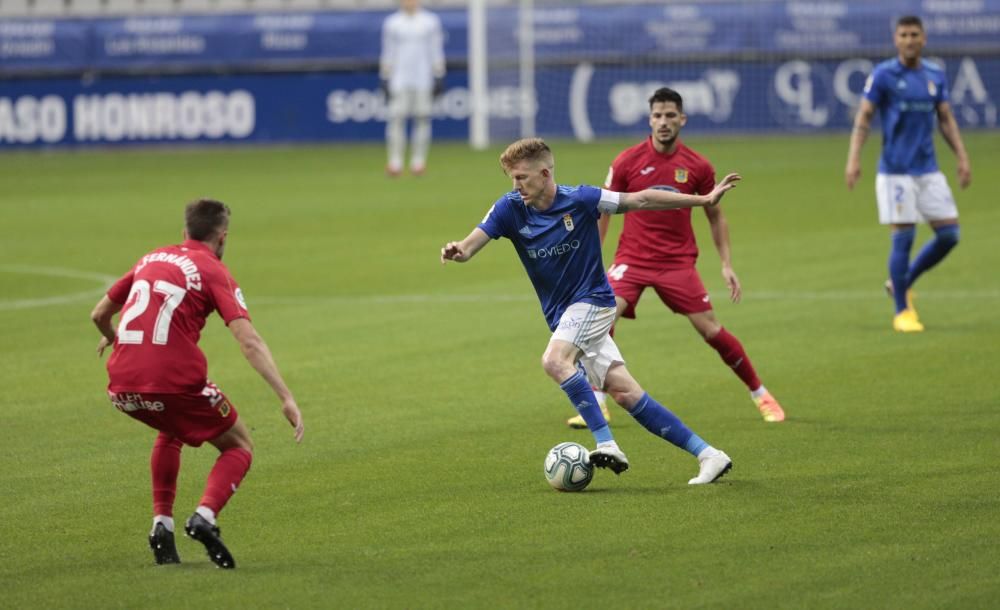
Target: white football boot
609 455
712 465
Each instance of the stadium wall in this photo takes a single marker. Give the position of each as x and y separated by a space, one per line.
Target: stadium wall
298 77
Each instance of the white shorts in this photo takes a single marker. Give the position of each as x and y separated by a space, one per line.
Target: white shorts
905 199
411 103
587 326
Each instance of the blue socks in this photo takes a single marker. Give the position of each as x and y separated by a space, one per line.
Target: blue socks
899 264
582 396
902 273
657 419
945 238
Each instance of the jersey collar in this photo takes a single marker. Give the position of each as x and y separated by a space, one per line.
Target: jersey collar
194 244
652 148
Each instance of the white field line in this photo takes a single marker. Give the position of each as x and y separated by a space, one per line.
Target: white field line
763 295
105 281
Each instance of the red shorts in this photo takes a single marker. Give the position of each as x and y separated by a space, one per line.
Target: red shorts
193 418
680 289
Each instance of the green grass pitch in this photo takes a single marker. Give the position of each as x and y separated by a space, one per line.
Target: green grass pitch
419 483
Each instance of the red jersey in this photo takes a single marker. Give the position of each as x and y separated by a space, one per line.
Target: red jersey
659 237
167 297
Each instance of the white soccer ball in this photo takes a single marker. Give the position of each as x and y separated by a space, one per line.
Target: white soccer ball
568 468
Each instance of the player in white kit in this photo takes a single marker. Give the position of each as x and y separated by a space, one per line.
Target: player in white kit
412 70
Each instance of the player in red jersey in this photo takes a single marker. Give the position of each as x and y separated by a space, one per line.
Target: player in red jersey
158 375
657 249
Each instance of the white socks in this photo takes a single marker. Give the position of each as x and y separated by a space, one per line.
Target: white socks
168 522
207 513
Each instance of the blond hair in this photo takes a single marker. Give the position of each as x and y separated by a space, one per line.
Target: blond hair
527 149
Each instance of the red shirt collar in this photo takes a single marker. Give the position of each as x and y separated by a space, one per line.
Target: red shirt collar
194 244
649 142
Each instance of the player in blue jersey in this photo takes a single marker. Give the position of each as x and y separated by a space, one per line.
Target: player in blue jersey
554 232
909 93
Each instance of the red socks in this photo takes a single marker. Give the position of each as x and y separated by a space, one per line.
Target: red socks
165 463
731 351
228 472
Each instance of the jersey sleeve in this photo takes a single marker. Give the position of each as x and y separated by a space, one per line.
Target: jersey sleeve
226 295
590 196
944 91
706 179
617 176
118 293
495 222
875 87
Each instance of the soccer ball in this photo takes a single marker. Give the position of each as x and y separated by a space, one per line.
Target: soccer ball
567 467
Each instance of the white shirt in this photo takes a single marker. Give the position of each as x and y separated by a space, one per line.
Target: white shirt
412 50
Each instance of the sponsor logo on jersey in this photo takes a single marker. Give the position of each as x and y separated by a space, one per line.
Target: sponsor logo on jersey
240 299
568 222
551 251
127 403
931 88
224 407
646 170
901 84
680 175
525 230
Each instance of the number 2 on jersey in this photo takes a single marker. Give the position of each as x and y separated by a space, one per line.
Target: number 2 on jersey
172 297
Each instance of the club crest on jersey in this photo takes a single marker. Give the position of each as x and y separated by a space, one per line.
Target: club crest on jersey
931 88
680 175
568 221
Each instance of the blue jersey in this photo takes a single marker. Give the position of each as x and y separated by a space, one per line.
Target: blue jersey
560 248
907 101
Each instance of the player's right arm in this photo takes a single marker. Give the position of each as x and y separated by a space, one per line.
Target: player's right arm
656 199
101 316
461 251
259 356
387 56
862 125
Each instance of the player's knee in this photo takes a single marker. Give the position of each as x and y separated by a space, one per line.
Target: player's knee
625 390
627 398
556 367
948 235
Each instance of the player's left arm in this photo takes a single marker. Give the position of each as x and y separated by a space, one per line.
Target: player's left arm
101 316
656 199
720 237
949 130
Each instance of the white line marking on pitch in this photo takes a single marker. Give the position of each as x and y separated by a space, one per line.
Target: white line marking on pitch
62 299
859 295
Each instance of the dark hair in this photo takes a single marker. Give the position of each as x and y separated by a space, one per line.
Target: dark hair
204 218
666 94
910 20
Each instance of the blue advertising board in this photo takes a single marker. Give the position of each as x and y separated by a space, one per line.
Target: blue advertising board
582 101
562 33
